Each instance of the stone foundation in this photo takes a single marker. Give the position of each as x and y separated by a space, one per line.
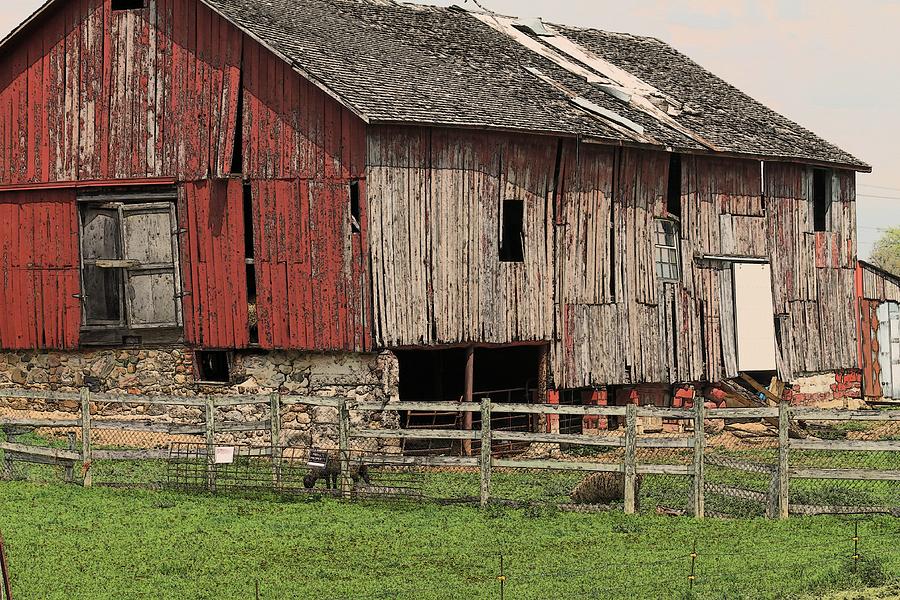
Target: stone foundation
170 372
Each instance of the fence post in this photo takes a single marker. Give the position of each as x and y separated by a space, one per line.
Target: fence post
275 436
344 441
210 444
699 447
630 459
485 452
784 422
85 396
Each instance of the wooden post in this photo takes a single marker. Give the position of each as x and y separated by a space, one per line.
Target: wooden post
469 392
485 452
6 588
210 444
630 459
699 446
344 441
70 467
784 423
85 395
275 436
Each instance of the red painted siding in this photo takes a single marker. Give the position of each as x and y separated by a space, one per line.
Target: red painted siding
310 267
89 94
214 271
96 94
39 270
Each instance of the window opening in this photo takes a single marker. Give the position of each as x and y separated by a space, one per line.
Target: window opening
511 243
673 197
821 199
667 250
213 366
129 4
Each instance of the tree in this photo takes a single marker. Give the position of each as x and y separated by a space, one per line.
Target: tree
886 253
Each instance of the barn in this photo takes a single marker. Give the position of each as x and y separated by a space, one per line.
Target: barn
409 202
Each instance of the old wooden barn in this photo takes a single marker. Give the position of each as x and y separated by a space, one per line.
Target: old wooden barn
411 202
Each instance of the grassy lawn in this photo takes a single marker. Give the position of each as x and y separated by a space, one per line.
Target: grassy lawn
69 543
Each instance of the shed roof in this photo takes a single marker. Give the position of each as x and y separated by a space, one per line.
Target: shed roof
392 62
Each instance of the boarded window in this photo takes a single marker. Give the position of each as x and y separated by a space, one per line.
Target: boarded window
821 199
667 266
129 263
512 247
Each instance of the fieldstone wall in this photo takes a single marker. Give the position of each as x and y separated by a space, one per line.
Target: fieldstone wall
170 371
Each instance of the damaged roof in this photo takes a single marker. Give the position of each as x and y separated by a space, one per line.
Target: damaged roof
406 63
392 62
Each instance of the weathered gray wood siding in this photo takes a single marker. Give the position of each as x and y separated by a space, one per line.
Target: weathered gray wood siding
588 283
435 212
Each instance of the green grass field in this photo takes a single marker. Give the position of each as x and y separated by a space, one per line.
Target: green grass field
70 543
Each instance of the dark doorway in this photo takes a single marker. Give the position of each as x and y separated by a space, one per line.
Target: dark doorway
503 374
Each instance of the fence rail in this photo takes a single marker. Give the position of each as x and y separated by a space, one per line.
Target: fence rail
688 455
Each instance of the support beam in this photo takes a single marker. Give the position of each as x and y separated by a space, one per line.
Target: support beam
467 397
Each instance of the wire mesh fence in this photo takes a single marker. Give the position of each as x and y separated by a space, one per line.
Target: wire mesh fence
747 463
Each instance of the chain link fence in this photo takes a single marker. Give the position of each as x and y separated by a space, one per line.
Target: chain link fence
747 462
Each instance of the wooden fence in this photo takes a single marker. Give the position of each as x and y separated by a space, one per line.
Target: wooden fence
693 439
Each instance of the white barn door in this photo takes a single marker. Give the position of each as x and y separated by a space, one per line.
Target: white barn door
754 317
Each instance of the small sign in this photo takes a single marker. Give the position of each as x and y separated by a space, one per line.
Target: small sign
317 459
224 455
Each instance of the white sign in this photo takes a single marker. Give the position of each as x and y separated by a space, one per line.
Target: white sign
224 455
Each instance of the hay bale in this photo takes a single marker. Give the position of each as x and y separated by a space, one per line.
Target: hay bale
602 488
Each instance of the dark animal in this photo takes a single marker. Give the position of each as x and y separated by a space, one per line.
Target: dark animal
603 488
331 473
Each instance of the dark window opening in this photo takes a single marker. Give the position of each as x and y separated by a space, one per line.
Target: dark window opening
667 237
129 4
821 199
355 214
673 197
237 153
511 243
213 366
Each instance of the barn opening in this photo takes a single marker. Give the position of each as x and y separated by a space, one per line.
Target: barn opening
673 196
213 366
503 374
821 199
511 243
129 4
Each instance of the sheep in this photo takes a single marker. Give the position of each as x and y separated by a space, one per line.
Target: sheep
331 474
603 488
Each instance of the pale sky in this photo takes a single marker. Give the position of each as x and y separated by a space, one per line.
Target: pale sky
831 65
